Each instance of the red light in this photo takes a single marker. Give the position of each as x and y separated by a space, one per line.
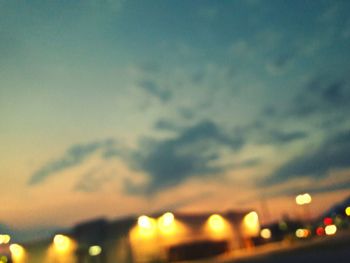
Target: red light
328 221
320 231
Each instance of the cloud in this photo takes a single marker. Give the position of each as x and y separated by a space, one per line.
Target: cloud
74 156
278 137
92 181
193 152
153 89
331 155
166 125
322 96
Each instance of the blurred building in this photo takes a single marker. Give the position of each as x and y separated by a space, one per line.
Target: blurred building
163 237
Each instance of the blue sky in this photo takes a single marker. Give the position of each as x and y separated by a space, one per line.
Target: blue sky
150 105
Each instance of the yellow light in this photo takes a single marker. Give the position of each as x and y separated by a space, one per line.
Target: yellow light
95 250
61 242
216 222
167 224
302 233
307 198
251 226
251 218
146 227
303 199
3 259
167 219
17 252
145 222
347 211
299 200
265 233
4 239
330 230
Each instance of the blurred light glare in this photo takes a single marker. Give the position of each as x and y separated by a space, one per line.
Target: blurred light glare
347 211
251 224
145 222
17 252
3 259
330 230
307 198
5 239
95 250
303 199
265 233
167 219
61 242
302 233
216 222
320 231
328 221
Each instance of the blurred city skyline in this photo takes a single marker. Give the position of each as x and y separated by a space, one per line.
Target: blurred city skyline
111 108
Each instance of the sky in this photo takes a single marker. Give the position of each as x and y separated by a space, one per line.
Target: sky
122 107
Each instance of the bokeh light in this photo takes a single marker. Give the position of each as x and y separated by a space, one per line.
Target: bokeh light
265 233
303 199
330 230
5 239
95 250
17 252
251 225
347 211
62 243
216 223
302 233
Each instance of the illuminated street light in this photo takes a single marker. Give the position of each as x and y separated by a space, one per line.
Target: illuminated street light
303 199
330 230
251 225
302 233
61 242
145 222
95 250
347 211
5 239
265 233
216 223
17 252
166 220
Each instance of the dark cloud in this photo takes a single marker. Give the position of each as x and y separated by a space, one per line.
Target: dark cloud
93 181
186 113
155 90
74 156
333 154
166 125
192 153
322 96
278 137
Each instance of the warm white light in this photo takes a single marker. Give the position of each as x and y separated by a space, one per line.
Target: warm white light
145 222
5 239
17 252
251 226
61 242
265 233
303 199
302 233
307 198
216 222
95 250
330 230
167 219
